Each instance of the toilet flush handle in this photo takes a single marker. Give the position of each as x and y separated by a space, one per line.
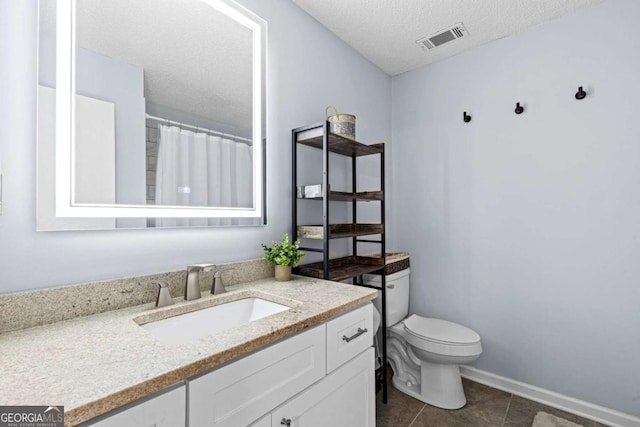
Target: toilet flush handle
391 286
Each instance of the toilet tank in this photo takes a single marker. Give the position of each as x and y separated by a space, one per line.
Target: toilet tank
397 294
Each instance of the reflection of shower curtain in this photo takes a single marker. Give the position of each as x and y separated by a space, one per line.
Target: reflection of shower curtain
198 169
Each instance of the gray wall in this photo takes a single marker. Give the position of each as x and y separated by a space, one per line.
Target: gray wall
308 68
526 228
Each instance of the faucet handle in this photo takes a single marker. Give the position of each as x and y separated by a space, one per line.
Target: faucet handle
217 285
164 296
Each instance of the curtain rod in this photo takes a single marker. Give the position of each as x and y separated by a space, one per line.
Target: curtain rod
214 132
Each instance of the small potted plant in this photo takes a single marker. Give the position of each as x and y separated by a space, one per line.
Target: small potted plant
283 255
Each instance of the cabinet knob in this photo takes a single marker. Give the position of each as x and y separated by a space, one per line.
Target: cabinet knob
286 422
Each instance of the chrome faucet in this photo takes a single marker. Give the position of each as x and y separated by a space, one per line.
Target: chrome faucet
164 296
217 287
192 286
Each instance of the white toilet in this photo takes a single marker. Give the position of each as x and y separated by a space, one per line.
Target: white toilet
424 353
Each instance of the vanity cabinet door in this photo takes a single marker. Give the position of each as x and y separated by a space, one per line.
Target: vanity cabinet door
241 392
345 398
165 410
263 422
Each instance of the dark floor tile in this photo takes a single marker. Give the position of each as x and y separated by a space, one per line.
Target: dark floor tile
399 411
486 407
522 412
479 393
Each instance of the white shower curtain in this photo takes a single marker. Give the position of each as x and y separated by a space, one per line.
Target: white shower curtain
199 169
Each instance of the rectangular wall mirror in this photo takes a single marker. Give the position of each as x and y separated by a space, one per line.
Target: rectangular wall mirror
151 113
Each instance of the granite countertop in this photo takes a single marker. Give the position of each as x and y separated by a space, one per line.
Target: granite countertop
97 363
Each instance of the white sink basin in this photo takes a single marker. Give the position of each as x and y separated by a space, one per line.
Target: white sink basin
208 321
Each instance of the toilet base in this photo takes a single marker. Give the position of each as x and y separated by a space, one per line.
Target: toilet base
440 386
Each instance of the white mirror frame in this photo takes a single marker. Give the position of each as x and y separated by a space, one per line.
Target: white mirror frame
65 126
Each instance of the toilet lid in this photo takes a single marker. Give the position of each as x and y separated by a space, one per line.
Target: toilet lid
441 331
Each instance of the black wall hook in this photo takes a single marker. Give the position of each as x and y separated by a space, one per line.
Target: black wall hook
581 94
466 117
519 108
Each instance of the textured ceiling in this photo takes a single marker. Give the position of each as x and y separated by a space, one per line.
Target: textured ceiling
195 59
385 31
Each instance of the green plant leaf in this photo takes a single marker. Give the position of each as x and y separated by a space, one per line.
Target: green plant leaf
284 253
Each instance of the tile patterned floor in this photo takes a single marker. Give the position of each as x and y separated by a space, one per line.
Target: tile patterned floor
486 407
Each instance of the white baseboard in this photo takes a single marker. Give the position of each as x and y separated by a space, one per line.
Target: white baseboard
550 398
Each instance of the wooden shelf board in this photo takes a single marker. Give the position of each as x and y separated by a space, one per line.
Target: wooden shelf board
365 196
339 231
342 268
340 196
338 144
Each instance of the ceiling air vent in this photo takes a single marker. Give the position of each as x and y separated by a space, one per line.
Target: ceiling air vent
441 37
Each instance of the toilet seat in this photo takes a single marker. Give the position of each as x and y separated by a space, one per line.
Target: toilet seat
441 337
440 331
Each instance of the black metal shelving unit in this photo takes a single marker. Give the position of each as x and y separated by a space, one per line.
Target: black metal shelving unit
354 266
